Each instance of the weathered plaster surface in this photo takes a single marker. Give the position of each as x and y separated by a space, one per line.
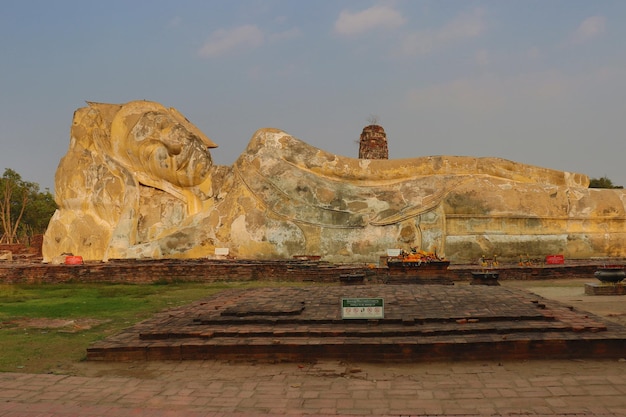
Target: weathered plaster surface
138 181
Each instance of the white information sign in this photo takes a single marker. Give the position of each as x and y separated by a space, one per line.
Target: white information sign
362 308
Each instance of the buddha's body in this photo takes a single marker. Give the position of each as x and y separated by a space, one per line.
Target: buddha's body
138 182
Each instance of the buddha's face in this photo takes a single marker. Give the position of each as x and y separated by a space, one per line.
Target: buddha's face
167 149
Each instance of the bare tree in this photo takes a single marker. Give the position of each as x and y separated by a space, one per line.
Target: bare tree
373 119
14 195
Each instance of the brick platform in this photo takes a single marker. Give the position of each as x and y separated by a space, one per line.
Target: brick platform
593 288
420 323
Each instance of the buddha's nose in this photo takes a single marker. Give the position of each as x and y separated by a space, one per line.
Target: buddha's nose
173 147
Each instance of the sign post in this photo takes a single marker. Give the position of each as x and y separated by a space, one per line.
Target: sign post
362 308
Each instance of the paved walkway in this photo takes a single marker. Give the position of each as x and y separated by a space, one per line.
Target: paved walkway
209 388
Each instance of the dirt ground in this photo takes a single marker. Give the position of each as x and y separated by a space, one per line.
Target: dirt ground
571 292
62 325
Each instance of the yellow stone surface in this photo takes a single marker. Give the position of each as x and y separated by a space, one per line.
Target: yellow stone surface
138 182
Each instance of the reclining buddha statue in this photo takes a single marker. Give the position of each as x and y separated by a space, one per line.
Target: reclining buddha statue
138 181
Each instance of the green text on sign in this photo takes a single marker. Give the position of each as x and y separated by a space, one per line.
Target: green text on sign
362 308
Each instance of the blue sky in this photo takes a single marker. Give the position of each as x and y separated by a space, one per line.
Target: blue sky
539 82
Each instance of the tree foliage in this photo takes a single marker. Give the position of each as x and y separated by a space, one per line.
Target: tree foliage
603 182
24 210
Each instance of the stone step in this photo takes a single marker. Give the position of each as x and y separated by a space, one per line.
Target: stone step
434 322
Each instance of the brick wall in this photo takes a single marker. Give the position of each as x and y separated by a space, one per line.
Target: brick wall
203 270
154 271
33 248
373 143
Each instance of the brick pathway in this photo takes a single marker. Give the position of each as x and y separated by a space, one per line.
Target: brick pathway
214 388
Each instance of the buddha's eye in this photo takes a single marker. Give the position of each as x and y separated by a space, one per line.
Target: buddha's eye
161 122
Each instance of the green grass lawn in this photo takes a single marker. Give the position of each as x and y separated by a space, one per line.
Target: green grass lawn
106 308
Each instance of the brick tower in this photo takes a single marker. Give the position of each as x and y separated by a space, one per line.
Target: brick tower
373 143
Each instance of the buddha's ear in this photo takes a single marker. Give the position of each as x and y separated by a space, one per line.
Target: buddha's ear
192 128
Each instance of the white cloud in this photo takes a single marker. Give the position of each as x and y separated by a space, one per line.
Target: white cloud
223 41
590 28
285 35
416 44
175 22
354 23
550 118
489 95
466 25
280 19
475 97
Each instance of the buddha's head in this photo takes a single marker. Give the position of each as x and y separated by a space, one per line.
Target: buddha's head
160 144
